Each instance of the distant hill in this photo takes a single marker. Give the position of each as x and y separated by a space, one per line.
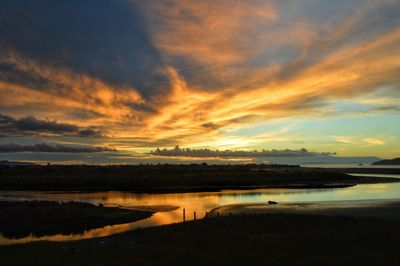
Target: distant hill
395 161
6 163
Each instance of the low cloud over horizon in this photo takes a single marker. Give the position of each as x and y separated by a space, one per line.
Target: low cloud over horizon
66 154
187 152
239 75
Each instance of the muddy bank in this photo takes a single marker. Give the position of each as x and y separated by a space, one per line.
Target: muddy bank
388 209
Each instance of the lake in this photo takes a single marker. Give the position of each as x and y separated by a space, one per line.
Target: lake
199 202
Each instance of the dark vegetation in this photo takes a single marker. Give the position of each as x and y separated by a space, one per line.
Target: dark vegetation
20 219
395 161
169 178
274 239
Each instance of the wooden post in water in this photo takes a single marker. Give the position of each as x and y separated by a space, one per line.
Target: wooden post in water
184 215
217 214
230 214
194 215
206 215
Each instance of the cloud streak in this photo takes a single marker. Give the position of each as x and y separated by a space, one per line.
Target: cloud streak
43 147
29 125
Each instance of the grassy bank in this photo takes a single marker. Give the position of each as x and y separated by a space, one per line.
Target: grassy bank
19 219
274 239
171 178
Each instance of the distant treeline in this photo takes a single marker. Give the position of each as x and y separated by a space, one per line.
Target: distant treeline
187 152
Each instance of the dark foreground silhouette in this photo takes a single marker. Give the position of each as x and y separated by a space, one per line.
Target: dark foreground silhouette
40 218
272 239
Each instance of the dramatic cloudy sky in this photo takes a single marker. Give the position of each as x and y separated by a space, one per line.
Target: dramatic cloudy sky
137 75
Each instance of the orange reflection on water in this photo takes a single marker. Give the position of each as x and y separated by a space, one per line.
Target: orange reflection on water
199 202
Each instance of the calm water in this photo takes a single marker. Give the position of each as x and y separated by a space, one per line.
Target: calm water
376 175
199 202
352 165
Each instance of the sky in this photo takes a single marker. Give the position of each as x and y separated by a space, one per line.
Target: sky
128 76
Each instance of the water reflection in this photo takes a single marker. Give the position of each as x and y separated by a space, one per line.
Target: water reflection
376 175
200 202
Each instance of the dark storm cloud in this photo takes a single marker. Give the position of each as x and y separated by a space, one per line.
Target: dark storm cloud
143 107
43 147
104 39
30 125
9 73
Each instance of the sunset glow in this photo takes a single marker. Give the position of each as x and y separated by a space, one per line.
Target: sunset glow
137 75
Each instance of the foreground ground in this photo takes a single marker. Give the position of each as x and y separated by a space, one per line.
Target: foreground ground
20 219
270 239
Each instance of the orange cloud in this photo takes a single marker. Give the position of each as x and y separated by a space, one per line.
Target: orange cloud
221 40
348 72
68 92
208 31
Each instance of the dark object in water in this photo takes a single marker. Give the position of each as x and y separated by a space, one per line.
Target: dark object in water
272 202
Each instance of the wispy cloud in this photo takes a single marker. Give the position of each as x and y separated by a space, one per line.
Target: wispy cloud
360 141
209 31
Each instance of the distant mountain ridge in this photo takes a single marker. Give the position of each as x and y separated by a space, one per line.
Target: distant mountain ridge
395 161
